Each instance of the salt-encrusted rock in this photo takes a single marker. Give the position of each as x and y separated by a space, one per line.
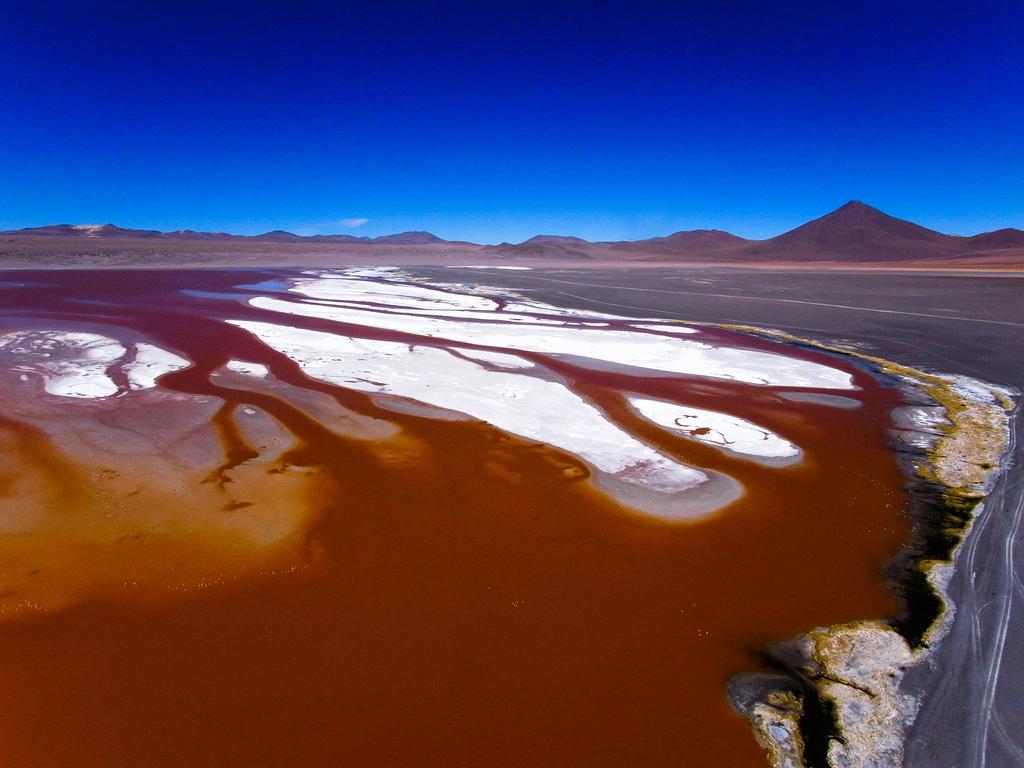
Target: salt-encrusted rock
859 669
774 708
777 729
963 458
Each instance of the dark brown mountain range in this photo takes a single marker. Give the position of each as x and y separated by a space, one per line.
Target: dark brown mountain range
696 240
854 234
276 236
858 232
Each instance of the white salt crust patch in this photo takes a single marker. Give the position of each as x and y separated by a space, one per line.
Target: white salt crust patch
414 299
495 358
665 328
258 370
521 404
75 363
392 274
488 266
392 294
72 363
981 392
641 350
720 429
491 316
919 426
922 418
368 272
150 363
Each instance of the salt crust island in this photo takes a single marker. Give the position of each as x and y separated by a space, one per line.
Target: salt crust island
484 370
487 362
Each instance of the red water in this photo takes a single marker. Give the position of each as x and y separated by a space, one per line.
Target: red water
465 602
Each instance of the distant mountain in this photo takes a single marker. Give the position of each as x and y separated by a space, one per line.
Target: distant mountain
337 239
854 233
698 241
84 230
409 238
1001 238
278 236
688 241
545 246
189 234
402 238
562 240
275 236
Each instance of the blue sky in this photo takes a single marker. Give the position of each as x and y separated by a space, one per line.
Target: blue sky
497 121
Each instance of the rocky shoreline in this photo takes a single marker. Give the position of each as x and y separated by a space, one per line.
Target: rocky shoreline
835 699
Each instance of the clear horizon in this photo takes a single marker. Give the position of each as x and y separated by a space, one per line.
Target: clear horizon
493 126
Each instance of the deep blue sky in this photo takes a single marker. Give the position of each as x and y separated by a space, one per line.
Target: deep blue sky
492 121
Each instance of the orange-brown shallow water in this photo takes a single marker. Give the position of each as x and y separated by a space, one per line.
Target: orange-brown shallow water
340 581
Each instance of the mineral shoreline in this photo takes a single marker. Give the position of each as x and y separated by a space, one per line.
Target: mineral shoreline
836 699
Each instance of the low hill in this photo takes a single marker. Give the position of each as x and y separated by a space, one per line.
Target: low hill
689 241
545 246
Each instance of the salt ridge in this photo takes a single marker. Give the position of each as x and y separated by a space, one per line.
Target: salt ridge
524 405
731 433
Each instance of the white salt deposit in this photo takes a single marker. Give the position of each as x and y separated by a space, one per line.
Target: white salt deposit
369 288
76 363
72 363
150 363
665 328
518 403
249 369
391 294
491 315
728 432
641 350
495 358
370 272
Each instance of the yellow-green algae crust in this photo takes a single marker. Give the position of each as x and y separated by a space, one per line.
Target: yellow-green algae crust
855 669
